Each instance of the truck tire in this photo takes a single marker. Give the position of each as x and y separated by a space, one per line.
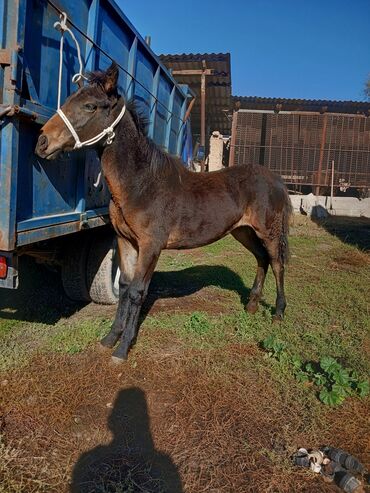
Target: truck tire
103 270
74 270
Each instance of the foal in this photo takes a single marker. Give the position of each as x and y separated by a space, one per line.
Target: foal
157 203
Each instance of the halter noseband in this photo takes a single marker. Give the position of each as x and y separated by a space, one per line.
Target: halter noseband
109 131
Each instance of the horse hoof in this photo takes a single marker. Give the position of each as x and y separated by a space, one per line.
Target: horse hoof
109 341
117 361
252 307
120 354
277 319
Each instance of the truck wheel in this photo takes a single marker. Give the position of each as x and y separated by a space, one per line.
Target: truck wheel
74 270
103 270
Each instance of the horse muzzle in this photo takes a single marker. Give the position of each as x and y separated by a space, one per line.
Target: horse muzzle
44 150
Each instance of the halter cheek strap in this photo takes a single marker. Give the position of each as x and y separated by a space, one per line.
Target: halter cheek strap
107 132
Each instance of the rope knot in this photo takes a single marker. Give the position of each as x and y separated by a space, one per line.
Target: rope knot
62 24
110 135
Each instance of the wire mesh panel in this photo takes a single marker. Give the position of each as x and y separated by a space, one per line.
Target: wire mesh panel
248 136
302 147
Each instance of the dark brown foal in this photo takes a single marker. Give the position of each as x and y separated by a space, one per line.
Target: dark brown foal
157 203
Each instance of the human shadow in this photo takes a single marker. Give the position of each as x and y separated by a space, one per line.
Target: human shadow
351 230
130 462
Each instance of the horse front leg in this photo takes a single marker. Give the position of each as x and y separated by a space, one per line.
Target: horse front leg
135 296
128 256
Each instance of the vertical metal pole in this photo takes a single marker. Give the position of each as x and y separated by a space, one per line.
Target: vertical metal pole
203 115
233 139
322 149
169 120
332 185
153 103
92 25
131 68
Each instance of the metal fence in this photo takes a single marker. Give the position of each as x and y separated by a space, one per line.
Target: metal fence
304 148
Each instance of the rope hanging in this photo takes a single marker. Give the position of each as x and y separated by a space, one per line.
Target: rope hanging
107 132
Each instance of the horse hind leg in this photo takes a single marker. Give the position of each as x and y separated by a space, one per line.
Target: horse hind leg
277 265
248 238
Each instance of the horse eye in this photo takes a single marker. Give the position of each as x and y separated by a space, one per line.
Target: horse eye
90 107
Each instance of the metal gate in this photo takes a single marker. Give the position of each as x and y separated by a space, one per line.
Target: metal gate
304 148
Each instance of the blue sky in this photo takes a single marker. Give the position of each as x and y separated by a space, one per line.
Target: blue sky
312 49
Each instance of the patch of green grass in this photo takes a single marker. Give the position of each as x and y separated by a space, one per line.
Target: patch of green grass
199 329
227 244
7 325
74 338
18 341
198 323
175 262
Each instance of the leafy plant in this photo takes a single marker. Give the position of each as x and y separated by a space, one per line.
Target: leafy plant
335 383
274 347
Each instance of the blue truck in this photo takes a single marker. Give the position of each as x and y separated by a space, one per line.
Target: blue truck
58 212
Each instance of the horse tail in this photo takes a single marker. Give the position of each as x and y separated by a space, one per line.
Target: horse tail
284 232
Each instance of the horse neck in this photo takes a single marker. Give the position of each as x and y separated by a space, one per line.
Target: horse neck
130 159
120 159
126 166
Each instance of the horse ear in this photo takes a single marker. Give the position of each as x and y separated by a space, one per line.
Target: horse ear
111 79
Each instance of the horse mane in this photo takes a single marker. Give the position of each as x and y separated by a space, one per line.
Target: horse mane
159 160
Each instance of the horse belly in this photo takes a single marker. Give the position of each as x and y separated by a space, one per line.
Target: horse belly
194 234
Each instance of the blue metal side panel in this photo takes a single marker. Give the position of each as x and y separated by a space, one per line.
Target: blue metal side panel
145 72
39 194
175 122
162 113
115 40
12 31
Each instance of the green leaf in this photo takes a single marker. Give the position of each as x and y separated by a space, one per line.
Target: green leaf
273 346
309 368
268 343
363 388
329 364
330 397
320 379
341 376
340 390
301 376
296 362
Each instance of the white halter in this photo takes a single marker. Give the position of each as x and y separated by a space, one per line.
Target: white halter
109 131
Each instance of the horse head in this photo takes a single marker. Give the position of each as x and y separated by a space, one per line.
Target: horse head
89 111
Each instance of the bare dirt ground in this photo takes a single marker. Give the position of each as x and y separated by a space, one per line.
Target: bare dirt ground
197 407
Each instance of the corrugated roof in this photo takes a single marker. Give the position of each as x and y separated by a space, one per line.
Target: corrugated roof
218 87
287 104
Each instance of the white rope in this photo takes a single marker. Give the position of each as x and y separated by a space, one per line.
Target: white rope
109 131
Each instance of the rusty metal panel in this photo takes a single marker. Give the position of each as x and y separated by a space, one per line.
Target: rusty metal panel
301 146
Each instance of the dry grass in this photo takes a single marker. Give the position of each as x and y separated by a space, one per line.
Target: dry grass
195 409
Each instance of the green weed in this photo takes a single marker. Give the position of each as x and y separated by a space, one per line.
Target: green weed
333 382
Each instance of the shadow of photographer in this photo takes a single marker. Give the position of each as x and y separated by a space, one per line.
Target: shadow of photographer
130 462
